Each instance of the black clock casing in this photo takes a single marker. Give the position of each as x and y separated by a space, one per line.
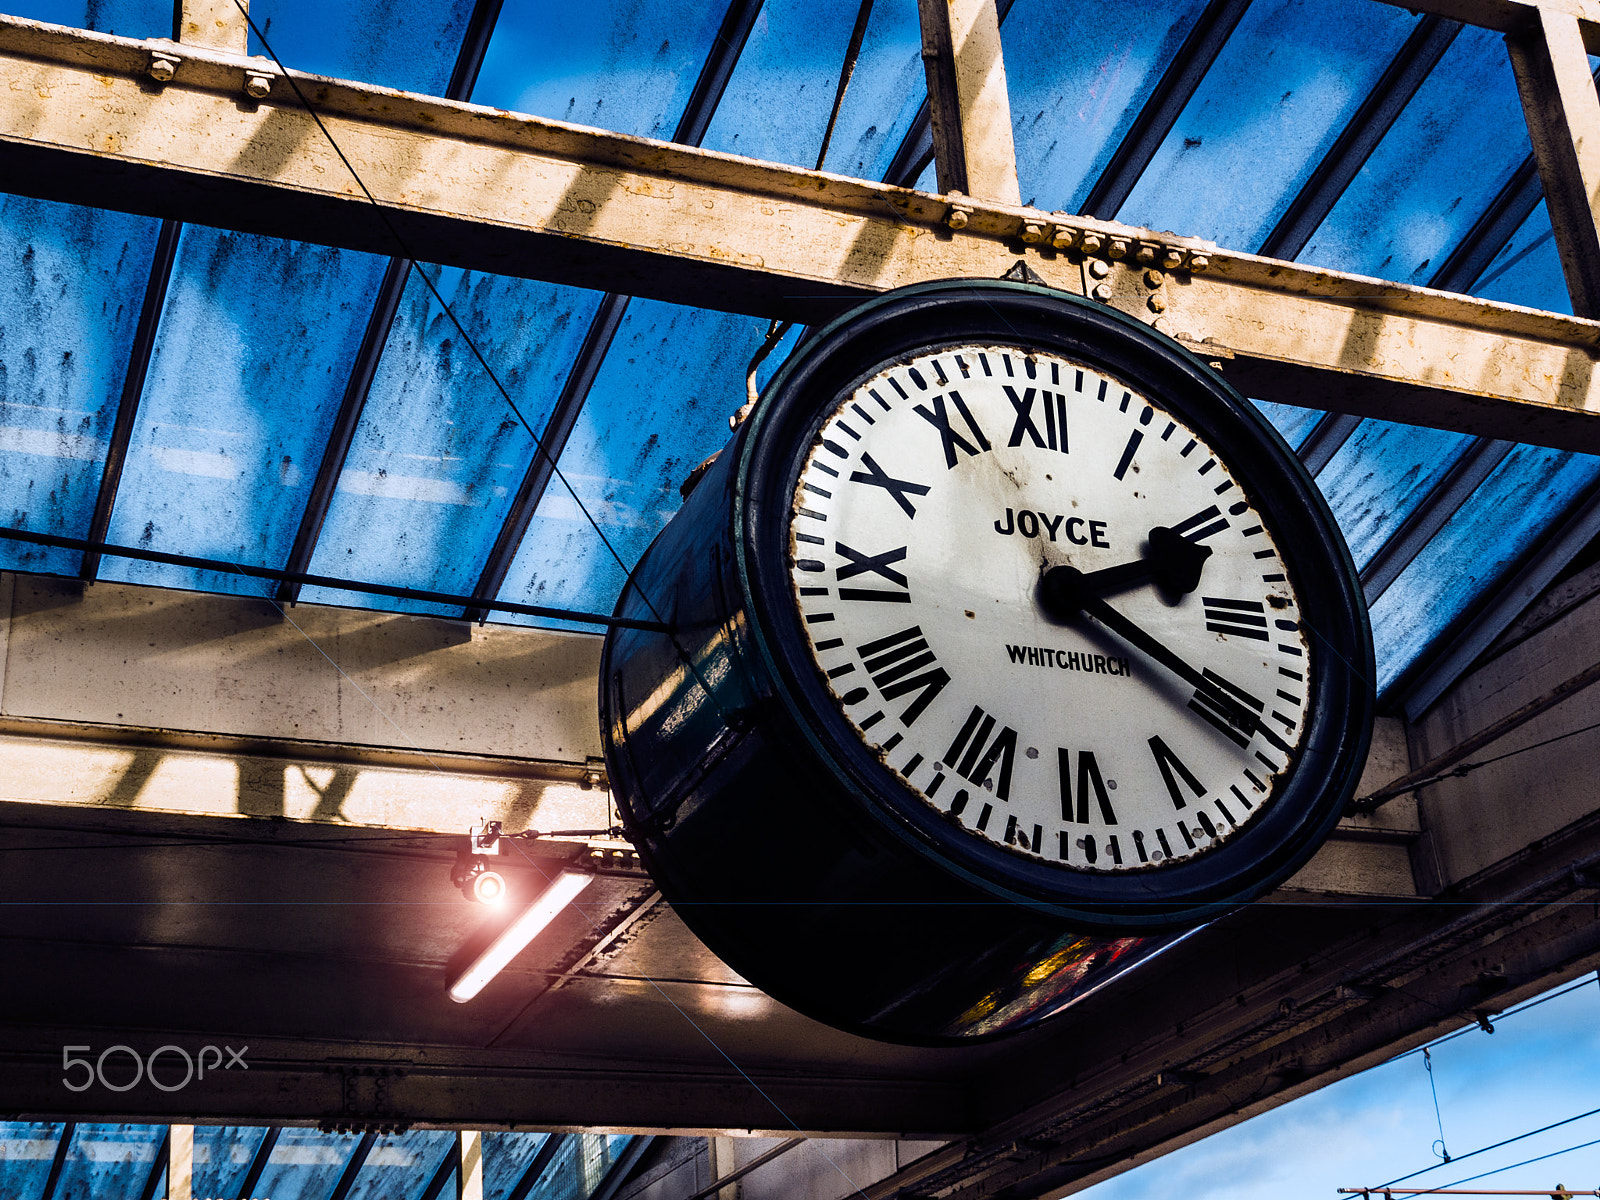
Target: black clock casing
776 831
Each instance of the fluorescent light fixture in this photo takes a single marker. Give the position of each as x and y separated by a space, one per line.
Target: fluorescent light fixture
518 934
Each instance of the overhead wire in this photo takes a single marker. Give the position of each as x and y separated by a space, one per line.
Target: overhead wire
556 470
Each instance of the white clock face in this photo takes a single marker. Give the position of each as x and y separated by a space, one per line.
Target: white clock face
1121 719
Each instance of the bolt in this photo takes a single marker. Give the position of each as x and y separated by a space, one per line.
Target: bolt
1032 232
1153 278
957 219
1061 239
162 67
1145 256
1119 248
256 85
1099 268
1102 291
1199 262
1157 304
1173 260
1092 243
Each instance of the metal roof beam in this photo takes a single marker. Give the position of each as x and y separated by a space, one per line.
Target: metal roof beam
1563 116
973 150
1160 113
1513 16
492 191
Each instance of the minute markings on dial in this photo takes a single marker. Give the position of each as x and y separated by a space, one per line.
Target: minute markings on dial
887 474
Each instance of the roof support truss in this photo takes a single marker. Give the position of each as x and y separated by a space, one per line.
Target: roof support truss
1563 116
970 111
491 191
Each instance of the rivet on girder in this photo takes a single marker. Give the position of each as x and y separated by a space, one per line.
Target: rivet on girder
257 84
959 214
163 66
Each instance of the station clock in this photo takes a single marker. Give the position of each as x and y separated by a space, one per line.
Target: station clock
1002 642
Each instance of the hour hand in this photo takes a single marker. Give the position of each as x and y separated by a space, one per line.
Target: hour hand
1171 561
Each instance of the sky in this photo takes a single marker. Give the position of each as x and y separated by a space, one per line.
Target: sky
1541 1065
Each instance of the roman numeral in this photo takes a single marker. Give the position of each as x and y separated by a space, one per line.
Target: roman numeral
1213 703
896 665
1202 525
1054 410
1239 618
874 564
876 476
981 754
1088 780
1173 770
940 420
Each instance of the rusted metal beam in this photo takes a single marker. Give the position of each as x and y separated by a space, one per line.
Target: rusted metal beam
488 190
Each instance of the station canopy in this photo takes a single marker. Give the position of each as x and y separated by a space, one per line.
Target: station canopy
256 383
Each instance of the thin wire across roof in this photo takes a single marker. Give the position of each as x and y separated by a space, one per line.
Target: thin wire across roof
1348 133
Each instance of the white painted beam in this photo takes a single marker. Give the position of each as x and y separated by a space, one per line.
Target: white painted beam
215 24
973 151
1563 116
116 662
499 192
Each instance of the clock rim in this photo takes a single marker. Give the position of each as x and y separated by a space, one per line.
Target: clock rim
898 325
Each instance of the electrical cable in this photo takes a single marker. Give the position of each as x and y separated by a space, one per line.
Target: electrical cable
556 470
1524 1163
472 344
1484 1150
1443 1151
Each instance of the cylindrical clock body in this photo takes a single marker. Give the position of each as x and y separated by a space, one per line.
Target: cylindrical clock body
982 552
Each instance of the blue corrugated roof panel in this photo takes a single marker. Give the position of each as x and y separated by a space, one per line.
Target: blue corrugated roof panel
659 406
110 1160
624 67
795 51
72 281
1530 489
1077 76
399 1165
406 44
125 18
506 1159
305 1164
1441 164
440 453
1266 113
1295 424
251 359
222 1157
885 91
27 1148
1381 475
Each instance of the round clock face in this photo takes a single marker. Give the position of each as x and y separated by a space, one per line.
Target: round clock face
1050 608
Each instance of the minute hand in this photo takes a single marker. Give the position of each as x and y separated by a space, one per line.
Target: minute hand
1137 637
